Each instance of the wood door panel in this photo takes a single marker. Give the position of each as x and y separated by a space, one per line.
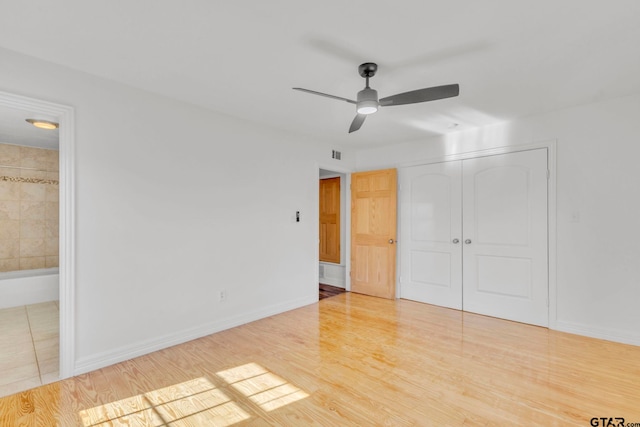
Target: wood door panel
372 272
330 220
374 216
373 227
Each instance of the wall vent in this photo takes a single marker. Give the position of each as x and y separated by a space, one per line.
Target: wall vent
336 155
321 271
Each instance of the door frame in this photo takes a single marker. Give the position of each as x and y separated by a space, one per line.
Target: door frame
65 116
345 222
550 145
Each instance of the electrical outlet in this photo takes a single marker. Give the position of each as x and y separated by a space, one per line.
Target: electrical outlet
222 296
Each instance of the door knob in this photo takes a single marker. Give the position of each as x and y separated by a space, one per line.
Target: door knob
456 240
391 241
467 241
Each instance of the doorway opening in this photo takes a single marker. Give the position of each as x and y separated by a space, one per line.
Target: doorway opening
29 280
332 232
40 181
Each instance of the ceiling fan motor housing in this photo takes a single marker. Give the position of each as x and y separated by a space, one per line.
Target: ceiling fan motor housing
367 101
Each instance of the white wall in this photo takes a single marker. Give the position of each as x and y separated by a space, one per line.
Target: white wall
598 152
174 204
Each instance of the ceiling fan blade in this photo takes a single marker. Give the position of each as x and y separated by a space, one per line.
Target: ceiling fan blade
421 95
339 98
357 122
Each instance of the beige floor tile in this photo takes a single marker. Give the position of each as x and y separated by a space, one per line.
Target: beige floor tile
44 320
15 328
18 386
47 305
18 370
50 377
44 334
48 347
48 366
13 320
45 312
12 312
29 346
12 347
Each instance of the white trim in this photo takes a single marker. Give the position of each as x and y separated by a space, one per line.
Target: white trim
140 348
65 116
479 153
552 233
333 175
550 145
596 332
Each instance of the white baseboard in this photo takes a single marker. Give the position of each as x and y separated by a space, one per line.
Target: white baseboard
600 333
15 292
121 354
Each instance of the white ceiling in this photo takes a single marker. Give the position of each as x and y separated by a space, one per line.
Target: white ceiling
511 58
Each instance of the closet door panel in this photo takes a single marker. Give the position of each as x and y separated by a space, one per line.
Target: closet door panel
430 204
505 266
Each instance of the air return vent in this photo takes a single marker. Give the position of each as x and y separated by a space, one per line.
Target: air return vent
336 155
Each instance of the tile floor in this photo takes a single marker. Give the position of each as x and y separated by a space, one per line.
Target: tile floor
29 346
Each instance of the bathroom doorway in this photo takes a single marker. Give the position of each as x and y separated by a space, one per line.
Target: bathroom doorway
36 192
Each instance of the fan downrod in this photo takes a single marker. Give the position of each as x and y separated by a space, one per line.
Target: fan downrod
368 69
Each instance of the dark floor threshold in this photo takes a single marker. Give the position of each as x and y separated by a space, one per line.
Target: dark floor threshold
327 291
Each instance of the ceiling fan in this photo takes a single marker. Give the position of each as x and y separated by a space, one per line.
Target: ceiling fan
368 102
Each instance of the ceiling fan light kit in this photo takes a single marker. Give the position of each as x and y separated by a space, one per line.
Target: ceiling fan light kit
368 102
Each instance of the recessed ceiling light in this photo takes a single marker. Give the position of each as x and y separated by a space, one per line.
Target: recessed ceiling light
43 124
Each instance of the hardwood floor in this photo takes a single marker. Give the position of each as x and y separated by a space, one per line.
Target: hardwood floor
327 291
353 360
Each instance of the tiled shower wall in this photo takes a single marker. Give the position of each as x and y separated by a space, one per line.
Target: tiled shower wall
28 208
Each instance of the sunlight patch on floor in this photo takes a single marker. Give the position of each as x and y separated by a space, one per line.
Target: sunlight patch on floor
262 387
195 401
198 401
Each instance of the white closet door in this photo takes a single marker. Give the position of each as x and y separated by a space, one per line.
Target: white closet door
505 266
430 234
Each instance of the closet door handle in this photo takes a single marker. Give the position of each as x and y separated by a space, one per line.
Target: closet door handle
456 240
467 241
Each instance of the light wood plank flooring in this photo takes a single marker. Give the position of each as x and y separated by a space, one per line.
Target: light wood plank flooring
29 346
353 360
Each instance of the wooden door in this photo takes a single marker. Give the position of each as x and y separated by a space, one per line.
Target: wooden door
330 220
373 233
431 234
505 261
